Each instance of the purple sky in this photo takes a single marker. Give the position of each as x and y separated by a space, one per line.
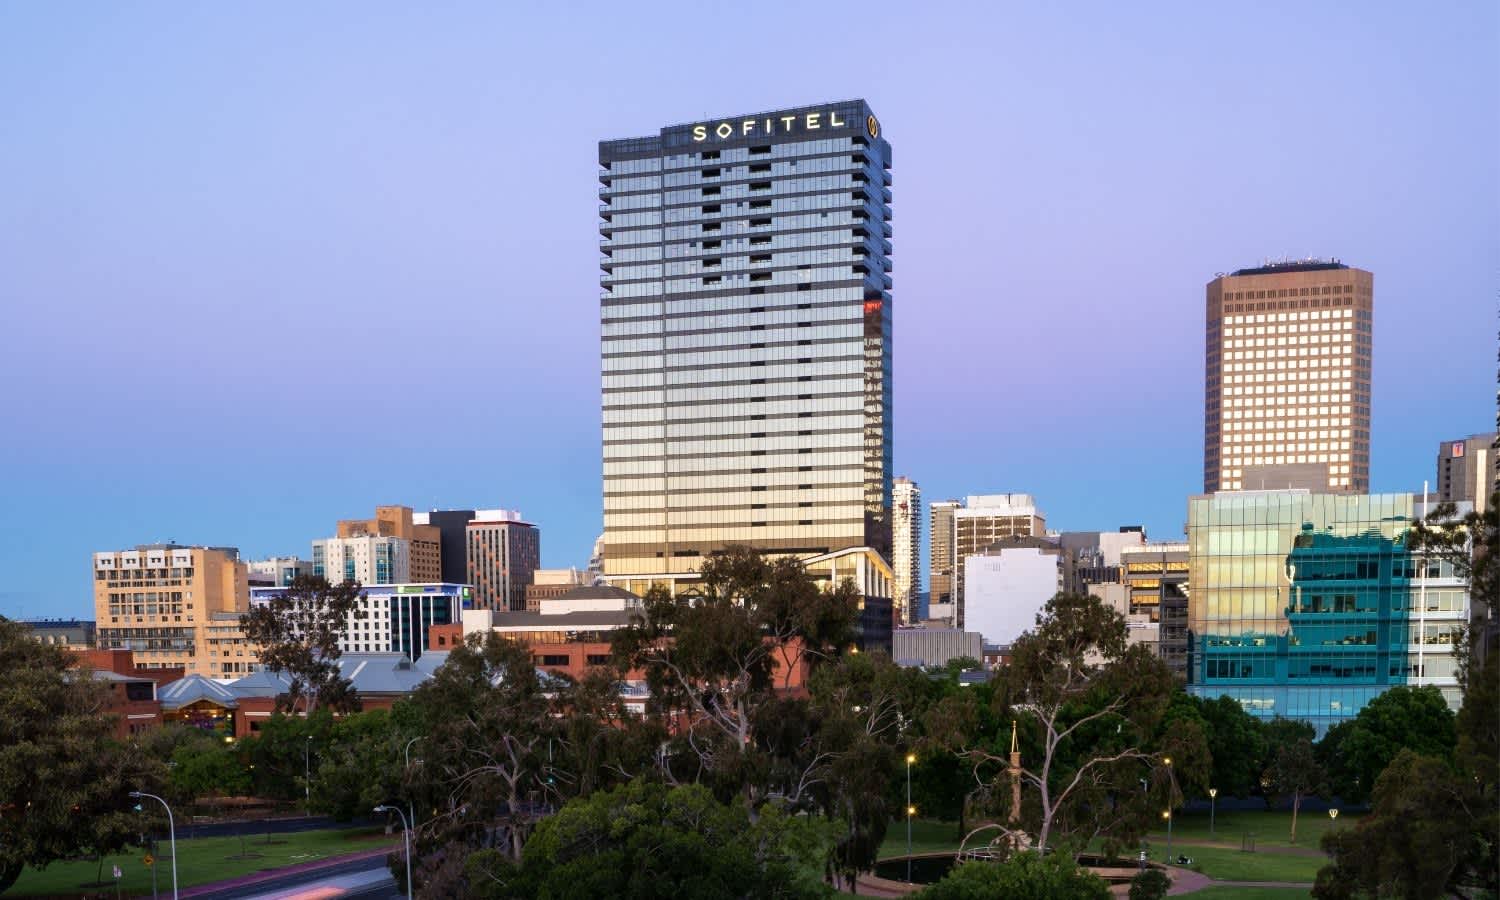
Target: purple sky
263 268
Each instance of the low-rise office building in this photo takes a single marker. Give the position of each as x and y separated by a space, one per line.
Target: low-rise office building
549 584
1309 605
394 618
1009 582
277 571
1155 576
863 566
74 634
934 647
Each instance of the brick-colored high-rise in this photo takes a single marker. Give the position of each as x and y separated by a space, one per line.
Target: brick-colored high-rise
425 551
1287 379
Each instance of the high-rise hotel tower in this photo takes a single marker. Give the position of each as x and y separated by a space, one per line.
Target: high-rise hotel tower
746 318
1287 379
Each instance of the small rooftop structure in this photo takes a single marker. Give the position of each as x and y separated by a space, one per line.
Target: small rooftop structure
1310 264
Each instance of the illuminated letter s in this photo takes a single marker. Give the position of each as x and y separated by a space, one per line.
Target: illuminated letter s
700 133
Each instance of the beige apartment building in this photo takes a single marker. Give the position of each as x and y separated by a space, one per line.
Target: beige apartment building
1287 379
175 606
425 557
940 556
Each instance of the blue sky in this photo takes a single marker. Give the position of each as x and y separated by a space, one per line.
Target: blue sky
264 267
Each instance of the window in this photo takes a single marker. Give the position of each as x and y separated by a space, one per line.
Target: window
554 659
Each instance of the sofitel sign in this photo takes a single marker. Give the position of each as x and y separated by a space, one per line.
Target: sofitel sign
812 121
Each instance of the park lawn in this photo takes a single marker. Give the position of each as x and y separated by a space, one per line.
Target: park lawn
1232 865
200 861
1250 893
1272 828
1272 861
927 836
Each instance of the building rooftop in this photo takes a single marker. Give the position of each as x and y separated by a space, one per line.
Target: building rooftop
1298 265
573 621
599 592
193 688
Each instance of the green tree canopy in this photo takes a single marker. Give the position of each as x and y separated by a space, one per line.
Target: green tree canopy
64 780
1088 709
646 840
1024 876
1418 833
1236 743
1357 751
1295 773
298 633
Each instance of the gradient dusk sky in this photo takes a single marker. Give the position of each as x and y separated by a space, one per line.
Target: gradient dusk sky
266 266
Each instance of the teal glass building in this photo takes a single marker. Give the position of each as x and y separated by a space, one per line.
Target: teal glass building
1308 605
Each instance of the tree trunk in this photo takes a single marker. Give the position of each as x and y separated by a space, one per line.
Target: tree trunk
1296 802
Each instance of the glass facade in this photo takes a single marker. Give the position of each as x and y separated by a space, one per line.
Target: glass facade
746 338
1301 605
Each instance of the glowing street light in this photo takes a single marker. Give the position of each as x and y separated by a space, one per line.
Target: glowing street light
1167 814
1213 802
910 811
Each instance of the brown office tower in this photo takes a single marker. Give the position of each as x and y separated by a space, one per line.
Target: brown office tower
1468 469
1287 379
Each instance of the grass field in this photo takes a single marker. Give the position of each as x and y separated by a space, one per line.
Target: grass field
1232 865
1218 855
200 861
1272 828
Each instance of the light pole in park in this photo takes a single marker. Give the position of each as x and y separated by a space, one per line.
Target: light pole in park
1213 803
405 841
910 811
1167 814
171 831
410 803
307 774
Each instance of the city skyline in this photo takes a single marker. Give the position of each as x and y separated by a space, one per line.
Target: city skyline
325 230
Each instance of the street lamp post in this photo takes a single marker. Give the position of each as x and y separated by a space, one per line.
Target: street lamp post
410 803
1333 814
911 812
307 774
171 831
910 758
405 841
1167 814
1213 802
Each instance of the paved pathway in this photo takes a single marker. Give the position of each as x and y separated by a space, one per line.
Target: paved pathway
1186 881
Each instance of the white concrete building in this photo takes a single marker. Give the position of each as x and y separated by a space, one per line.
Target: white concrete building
277 571
980 522
1005 587
366 558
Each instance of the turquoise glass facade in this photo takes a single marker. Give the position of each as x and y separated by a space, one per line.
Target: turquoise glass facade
1299 604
